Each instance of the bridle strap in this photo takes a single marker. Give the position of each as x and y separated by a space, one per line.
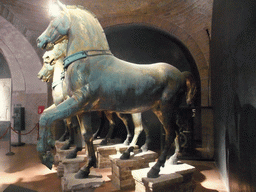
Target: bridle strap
83 54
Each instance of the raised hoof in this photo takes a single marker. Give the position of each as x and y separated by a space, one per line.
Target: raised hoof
125 155
65 147
153 173
82 174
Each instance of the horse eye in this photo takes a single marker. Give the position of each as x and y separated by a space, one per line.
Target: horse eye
52 62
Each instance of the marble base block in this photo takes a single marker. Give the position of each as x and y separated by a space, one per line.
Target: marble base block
58 158
70 184
121 169
103 153
173 178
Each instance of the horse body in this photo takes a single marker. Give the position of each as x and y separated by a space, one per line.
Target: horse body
104 82
53 68
119 86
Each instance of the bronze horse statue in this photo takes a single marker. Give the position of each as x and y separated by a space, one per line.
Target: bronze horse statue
98 81
53 69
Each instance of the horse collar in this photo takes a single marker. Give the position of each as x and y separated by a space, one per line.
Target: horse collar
83 54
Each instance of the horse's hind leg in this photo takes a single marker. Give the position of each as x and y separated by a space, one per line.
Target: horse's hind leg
166 117
109 116
138 128
174 158
86 130
125 118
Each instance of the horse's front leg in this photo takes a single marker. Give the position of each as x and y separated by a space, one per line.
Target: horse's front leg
62 111
86 130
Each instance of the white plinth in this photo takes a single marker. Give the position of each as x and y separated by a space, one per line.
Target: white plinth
103 153
121 169
70 184
176 178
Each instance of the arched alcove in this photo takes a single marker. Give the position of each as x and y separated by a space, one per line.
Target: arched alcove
143 44
5 91
5 71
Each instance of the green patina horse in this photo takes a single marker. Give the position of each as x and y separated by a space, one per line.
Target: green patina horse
53 69
98 81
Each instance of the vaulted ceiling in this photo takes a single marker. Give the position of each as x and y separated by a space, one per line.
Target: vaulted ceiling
188 20
33 14
31 17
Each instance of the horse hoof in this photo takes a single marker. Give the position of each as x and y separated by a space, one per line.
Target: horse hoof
125 155
82 174
153 173
144 148
104 142
51 143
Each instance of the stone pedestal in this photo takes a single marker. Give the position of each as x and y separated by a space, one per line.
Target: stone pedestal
73 165
61 154
103 153
70 184
176 178
59 144
121 169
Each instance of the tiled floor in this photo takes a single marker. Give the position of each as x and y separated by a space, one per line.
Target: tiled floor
24 169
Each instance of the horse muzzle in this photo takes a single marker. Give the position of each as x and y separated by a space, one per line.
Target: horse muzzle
44 45
47 158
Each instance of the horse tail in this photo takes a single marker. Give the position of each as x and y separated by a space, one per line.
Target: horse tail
190 85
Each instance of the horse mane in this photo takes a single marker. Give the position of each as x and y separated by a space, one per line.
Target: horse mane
83 18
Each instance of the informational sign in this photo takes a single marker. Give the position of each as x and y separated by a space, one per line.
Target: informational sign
5 99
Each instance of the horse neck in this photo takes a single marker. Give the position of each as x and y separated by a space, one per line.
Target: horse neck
58 69
85 33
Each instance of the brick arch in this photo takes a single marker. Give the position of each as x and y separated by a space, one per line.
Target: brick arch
179 33
22 59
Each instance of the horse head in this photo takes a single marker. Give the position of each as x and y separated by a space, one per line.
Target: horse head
46 72
57 28
49 60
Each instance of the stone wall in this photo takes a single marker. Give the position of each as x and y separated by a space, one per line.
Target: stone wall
24 64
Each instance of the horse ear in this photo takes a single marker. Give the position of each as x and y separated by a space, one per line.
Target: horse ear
61 5
56 7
